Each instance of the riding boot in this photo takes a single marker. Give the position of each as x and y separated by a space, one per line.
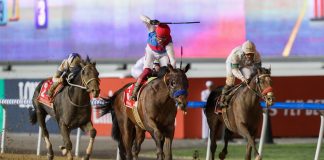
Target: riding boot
135 91
139 81
223 99
52 89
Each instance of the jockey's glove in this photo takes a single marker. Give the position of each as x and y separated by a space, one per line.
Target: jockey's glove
154 22
59 80
246 81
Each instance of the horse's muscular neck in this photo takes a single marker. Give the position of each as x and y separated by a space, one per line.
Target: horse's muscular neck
78 91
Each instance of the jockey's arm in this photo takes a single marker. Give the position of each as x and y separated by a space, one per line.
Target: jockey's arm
237 73
235 67
146 21
170 51
60 70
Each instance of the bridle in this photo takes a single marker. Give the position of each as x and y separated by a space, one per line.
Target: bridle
259 92
84 85
175 94
84 82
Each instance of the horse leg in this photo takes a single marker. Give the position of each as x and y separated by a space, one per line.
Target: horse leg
251 142
41 121
168 143
93 133
214 125
159 141
128 128
140 136
256 152
67 148
228 135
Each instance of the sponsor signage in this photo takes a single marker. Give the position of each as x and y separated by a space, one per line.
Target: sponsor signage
18 115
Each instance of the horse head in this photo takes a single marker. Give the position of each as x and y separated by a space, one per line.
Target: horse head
264 85
178 85
90 77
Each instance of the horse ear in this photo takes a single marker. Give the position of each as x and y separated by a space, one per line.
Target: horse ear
88 59
82 63
187 68
259 70
170 68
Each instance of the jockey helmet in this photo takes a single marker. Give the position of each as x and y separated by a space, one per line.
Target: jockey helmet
75 58
248 47
163 30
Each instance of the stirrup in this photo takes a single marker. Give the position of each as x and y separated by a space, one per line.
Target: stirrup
219 111
134 98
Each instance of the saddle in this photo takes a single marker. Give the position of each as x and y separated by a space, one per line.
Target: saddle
43 95
224 111
133 105
228 98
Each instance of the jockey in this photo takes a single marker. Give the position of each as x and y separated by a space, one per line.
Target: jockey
159 46
241 56
156 66
70 64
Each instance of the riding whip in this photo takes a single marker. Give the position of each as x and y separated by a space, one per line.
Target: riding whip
179 22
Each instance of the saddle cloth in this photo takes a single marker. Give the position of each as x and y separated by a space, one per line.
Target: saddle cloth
128 102
43 94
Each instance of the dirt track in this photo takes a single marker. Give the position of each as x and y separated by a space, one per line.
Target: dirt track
104 147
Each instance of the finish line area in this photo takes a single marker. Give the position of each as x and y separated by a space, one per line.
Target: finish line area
191 104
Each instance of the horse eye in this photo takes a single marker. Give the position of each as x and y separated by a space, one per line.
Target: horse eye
173 83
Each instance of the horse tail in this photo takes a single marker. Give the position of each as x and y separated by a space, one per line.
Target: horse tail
115 133
212 98
108 107
32 116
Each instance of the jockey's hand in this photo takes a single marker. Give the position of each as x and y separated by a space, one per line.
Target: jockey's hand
154 22
246 81
59 80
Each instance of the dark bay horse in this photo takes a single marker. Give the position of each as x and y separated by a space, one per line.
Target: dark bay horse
71 109
157 109
243 113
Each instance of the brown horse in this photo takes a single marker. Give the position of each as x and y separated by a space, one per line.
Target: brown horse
156 112
243 113
71 109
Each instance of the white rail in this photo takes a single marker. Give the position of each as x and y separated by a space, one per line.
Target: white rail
4 102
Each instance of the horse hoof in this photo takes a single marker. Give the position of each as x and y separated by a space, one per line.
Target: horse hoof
63 149
50 157
222 155
86 157
258 157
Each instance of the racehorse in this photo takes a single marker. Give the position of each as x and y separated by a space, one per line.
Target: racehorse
71 108
243 112
156 112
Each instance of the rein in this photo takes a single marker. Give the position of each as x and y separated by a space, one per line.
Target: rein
83 86
70 100
84 83
260 93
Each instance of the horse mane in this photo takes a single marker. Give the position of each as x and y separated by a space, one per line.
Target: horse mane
163 70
